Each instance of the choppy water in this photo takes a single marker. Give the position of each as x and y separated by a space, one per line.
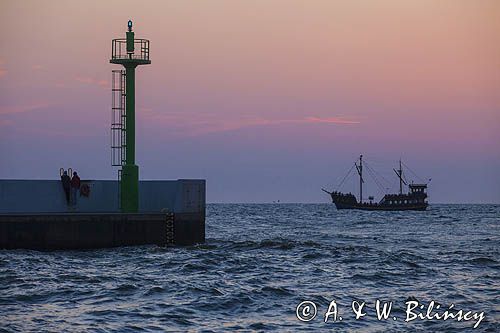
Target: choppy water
259 263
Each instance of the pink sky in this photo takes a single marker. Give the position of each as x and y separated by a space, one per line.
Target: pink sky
265 99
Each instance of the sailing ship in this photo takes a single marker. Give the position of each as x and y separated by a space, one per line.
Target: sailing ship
415 199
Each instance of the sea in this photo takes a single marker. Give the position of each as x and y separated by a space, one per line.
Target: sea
273 268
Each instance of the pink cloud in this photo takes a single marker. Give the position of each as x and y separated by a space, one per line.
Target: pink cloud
86 80
3 70
22 108
330 120
102 83
192 125
5 122
92 81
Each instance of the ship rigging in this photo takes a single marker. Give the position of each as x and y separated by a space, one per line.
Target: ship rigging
415 199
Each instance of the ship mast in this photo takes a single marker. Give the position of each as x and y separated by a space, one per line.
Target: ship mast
400 178
399 173
361 181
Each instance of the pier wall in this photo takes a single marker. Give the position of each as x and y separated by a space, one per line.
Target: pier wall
34 214
47 196
80 231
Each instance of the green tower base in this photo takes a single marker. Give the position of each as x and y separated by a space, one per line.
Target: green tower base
129 188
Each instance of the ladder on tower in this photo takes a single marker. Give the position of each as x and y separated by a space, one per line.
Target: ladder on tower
118 118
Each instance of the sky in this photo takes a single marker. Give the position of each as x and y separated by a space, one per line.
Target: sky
265 99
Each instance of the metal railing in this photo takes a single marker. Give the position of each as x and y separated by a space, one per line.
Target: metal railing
119 49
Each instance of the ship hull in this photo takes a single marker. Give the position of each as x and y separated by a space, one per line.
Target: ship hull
418 207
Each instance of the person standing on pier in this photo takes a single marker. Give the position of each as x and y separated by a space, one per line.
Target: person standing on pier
66 184
75 187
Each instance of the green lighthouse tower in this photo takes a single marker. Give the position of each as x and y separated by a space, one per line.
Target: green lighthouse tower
130 53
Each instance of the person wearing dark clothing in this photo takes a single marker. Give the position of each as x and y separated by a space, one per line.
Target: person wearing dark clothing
75 186
66 183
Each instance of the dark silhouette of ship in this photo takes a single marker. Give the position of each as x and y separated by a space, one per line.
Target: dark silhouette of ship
415 199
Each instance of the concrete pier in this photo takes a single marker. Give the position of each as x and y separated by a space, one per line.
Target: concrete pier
34 214
86 231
